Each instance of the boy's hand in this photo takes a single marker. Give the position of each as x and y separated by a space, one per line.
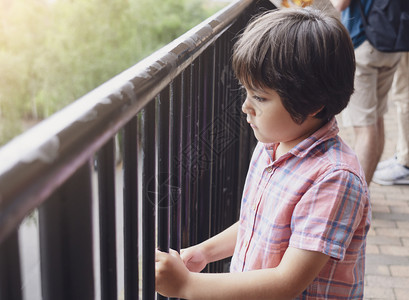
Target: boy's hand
194 258
171 275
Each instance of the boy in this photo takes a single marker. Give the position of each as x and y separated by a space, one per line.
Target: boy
305 209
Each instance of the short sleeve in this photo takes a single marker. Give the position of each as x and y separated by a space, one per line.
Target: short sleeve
328 214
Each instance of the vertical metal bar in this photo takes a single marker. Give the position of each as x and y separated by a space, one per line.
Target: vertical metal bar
195 154
232 138
149 192
131 229
206 141
10 277
175 163
163 171
107 223
185 155
227 196
219 83
222 196
215 140
51 248
66 240
163 177
230 163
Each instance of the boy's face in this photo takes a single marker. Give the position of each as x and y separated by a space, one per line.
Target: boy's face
271 122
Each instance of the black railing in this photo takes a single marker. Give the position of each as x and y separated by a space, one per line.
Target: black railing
185 148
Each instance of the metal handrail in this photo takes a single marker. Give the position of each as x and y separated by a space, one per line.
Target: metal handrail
45 156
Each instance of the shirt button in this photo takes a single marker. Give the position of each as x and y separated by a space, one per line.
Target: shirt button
269 169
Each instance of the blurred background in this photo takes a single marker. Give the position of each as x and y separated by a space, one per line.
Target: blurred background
54 51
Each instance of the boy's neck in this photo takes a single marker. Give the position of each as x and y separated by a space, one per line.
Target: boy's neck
279 152
285 147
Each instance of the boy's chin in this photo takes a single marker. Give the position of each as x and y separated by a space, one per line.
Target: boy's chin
263 139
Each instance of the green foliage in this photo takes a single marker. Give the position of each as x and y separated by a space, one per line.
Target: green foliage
53 52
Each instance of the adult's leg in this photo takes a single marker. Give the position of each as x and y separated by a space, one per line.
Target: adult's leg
401 96
396 169
369 144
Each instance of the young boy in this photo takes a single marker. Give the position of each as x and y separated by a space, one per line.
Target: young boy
305 209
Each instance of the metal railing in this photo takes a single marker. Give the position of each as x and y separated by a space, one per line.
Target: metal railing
185 148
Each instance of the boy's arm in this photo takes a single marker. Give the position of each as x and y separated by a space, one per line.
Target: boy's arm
340 5
216 248
297 270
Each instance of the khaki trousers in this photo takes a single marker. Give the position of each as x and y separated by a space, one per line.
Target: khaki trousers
400 96
373 80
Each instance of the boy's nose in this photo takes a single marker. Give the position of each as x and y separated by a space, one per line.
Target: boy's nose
246 108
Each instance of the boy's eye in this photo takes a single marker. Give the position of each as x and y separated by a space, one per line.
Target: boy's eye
259 99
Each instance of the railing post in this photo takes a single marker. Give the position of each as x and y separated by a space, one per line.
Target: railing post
10 278
175 162
66 240
107 220
149 192
194 151
206 142
163 170
130 211
185 154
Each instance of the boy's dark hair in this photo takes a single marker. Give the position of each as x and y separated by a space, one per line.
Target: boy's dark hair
305 55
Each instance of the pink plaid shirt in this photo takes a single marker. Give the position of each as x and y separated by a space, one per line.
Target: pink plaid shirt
315 198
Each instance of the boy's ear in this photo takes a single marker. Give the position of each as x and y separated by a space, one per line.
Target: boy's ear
314 113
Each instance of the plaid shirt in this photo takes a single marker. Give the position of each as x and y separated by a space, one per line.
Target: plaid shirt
315 198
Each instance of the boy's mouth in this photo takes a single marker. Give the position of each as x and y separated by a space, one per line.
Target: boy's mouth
251 124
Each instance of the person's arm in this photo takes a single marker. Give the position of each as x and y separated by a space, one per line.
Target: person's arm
340 5
216 248
297 270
